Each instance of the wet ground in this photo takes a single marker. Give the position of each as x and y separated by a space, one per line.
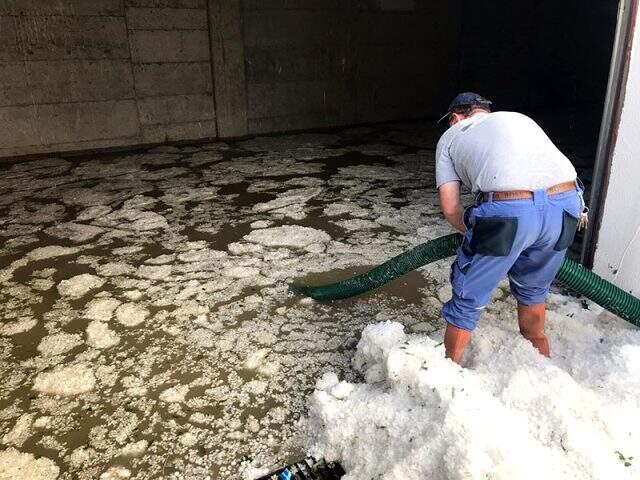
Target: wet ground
147 325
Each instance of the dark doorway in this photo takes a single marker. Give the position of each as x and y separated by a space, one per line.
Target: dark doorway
547 59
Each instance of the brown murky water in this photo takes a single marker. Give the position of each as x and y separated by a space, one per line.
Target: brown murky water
215 355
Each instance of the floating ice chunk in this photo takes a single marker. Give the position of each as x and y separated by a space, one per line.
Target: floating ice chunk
93 212
201 255
136 449
99 335
256 387
75 232
42 422
295 212
113 269
59 343
65 381
139 202
357 224
15 465
288 236
200 418
51 251
203 337
133 295
315 248
161 259
80 285
81 456
290 197
20 432
87 197
253 300
188 439
44 273
175 394
130 314
261 224
13 328
252 424
335 209
240 248
256 359
116 473
154 272
127 250
269 369
101 309
42 284
133 219
240 272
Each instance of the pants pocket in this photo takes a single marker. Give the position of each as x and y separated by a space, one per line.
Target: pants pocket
569 227
493 236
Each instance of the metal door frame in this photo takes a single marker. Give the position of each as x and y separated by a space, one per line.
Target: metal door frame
614 100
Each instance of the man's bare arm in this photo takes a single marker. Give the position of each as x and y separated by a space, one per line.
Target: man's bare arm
451 206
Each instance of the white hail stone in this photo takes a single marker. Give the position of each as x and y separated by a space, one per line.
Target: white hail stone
66 381
80 285
130 314
287 236
175 394
99 335
15 465
59 343
101 309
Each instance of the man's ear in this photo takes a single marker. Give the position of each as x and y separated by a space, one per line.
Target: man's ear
455 118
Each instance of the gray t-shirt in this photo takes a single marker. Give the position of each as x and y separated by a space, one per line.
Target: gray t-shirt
498 152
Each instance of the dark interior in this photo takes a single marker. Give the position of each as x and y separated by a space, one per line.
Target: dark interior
545 58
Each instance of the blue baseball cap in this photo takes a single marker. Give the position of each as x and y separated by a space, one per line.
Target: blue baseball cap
466 99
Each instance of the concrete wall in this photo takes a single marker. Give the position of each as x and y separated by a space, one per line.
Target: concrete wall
336 62
617 255
84 74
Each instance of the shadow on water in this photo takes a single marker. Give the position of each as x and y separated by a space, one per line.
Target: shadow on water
405 290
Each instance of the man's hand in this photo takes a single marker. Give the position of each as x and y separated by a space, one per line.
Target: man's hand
451 206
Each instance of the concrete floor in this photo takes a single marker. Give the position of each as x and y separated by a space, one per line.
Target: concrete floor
148 327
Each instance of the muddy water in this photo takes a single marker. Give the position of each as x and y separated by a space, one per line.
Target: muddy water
217 375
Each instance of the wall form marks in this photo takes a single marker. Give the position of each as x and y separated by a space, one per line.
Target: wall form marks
316 64
83 74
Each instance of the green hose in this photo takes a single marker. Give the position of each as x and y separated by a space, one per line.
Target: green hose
423 254
606 294
571 274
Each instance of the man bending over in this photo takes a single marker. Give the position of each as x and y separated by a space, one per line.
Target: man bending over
526 212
